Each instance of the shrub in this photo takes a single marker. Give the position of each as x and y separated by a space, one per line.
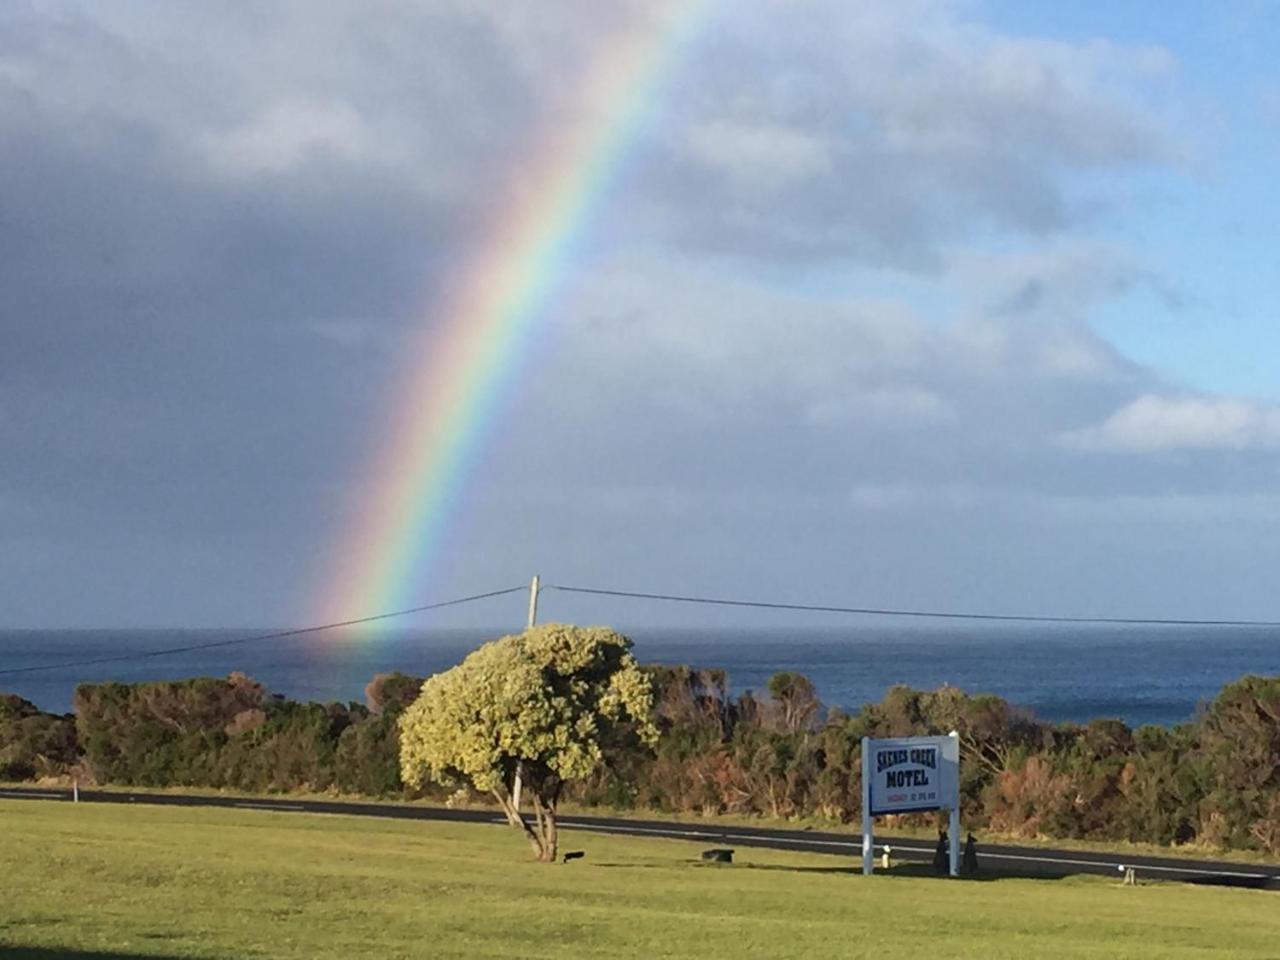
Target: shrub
367 760
34 744
161 734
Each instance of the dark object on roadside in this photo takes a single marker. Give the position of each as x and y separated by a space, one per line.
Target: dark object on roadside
718 855
969 860
942 855
574 855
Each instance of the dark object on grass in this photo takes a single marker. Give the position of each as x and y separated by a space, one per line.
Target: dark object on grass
942 855
969 861
718 855
574 855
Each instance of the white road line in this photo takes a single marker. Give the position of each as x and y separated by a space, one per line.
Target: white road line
853 845
25 794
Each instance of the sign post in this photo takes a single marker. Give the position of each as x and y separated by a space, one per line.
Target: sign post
954 737
868 831
910 775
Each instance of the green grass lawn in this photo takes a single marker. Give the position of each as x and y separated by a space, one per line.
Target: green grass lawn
1112 848
140 881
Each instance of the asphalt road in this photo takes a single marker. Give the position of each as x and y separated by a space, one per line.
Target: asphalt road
994 859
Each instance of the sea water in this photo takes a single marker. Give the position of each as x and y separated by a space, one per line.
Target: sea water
1060 672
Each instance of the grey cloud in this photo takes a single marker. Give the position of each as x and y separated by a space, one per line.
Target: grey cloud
680 442
988 512
878 133
1068 278
215 230
706 385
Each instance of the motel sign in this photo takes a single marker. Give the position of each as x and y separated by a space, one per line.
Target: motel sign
910 775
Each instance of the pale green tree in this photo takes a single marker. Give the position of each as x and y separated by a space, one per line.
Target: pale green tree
526 714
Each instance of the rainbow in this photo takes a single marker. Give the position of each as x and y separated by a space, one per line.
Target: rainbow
460 374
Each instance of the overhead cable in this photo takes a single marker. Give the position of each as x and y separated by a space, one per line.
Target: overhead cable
889 612
274 635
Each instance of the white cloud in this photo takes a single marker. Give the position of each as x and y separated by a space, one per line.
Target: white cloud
760 156
1153 423
716 344
286 135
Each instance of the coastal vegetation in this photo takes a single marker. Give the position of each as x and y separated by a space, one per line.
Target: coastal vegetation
99 880
1213 782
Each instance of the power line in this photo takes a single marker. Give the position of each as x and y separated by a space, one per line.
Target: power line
637 595
931 614
276 635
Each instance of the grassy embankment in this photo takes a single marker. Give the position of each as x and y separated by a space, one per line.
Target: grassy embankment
154 882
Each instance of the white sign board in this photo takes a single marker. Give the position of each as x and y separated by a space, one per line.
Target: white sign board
913 774
910 775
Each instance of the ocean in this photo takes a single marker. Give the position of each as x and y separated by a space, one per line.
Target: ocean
1060 672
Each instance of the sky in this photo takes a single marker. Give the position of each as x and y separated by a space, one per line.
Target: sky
956 305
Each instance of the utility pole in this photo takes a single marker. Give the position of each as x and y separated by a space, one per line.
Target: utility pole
534 585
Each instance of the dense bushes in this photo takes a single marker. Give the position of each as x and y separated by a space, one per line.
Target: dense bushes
1215 780
231 733
1237 762
33 744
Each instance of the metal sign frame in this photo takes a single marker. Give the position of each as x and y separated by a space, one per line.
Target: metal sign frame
947 781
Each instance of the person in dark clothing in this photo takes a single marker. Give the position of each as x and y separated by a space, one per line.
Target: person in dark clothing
942 855
969 861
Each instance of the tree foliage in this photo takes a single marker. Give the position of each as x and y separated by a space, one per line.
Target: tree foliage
34 744
1239 753
529 712
210 732
390 693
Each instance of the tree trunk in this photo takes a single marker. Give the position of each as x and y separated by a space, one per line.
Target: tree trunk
541 833
517 820
545 812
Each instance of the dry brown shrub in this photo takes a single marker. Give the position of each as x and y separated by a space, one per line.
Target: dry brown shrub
244 721
1026 797
1266 830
